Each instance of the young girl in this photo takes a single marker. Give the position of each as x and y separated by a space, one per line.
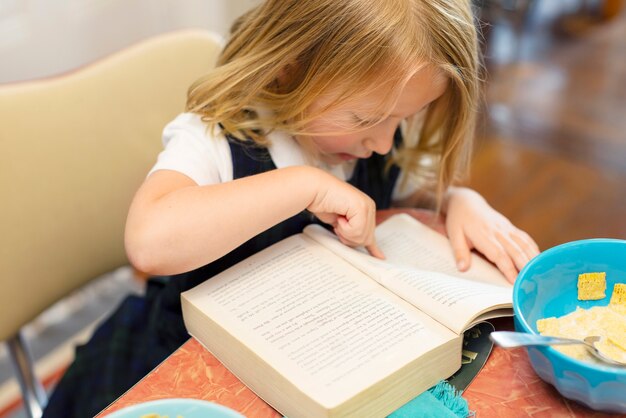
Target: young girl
318 111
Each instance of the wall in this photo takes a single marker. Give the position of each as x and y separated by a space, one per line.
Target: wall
39 38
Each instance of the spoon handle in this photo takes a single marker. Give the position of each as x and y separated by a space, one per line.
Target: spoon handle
509 339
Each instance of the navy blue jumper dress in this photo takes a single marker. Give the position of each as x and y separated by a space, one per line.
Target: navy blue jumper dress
144 330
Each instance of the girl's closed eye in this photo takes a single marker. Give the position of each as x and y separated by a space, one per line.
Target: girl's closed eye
363 121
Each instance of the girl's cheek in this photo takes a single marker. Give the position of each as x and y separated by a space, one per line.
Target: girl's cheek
326 144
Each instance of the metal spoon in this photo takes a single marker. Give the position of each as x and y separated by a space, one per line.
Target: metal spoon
508 339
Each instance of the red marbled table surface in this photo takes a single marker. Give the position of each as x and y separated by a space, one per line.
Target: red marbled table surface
506 387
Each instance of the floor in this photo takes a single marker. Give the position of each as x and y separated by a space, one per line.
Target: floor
550 155
551 152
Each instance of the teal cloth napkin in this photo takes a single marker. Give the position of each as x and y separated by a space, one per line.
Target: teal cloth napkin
440 401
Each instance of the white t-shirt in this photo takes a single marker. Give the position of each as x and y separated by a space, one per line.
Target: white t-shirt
204 156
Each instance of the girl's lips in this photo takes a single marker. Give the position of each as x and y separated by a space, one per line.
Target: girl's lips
347 157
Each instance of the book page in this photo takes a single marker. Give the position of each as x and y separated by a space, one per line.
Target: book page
406 241
457 303
420 268
325 326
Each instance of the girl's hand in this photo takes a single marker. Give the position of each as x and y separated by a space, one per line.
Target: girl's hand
351 212
472 224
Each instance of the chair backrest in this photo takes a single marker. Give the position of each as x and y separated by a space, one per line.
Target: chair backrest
73 150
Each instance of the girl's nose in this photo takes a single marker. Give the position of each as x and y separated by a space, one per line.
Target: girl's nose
380 141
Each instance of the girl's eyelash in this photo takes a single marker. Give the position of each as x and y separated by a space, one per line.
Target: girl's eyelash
360 121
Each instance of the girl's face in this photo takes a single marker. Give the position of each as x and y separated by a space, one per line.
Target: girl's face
336 142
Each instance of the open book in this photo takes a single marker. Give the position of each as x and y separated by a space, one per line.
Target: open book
318 329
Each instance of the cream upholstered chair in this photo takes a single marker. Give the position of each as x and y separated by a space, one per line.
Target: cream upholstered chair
73 150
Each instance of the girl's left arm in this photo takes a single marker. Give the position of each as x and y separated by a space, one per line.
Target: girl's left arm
472 223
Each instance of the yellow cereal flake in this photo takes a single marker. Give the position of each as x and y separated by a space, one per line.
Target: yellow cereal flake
546 325
618 298
616 332
591 286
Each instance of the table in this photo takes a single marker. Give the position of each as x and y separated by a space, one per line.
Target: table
507 386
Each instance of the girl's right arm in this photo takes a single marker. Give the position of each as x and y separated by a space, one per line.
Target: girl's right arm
174 225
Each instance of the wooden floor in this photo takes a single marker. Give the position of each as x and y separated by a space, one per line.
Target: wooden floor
551 152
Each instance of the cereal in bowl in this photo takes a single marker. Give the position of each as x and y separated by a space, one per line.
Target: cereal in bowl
608 322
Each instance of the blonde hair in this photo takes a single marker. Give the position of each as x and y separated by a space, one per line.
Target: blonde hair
284 54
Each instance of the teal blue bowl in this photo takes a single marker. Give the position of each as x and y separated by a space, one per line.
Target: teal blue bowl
187 408
547 287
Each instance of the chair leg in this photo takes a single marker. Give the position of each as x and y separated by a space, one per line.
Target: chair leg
34 395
